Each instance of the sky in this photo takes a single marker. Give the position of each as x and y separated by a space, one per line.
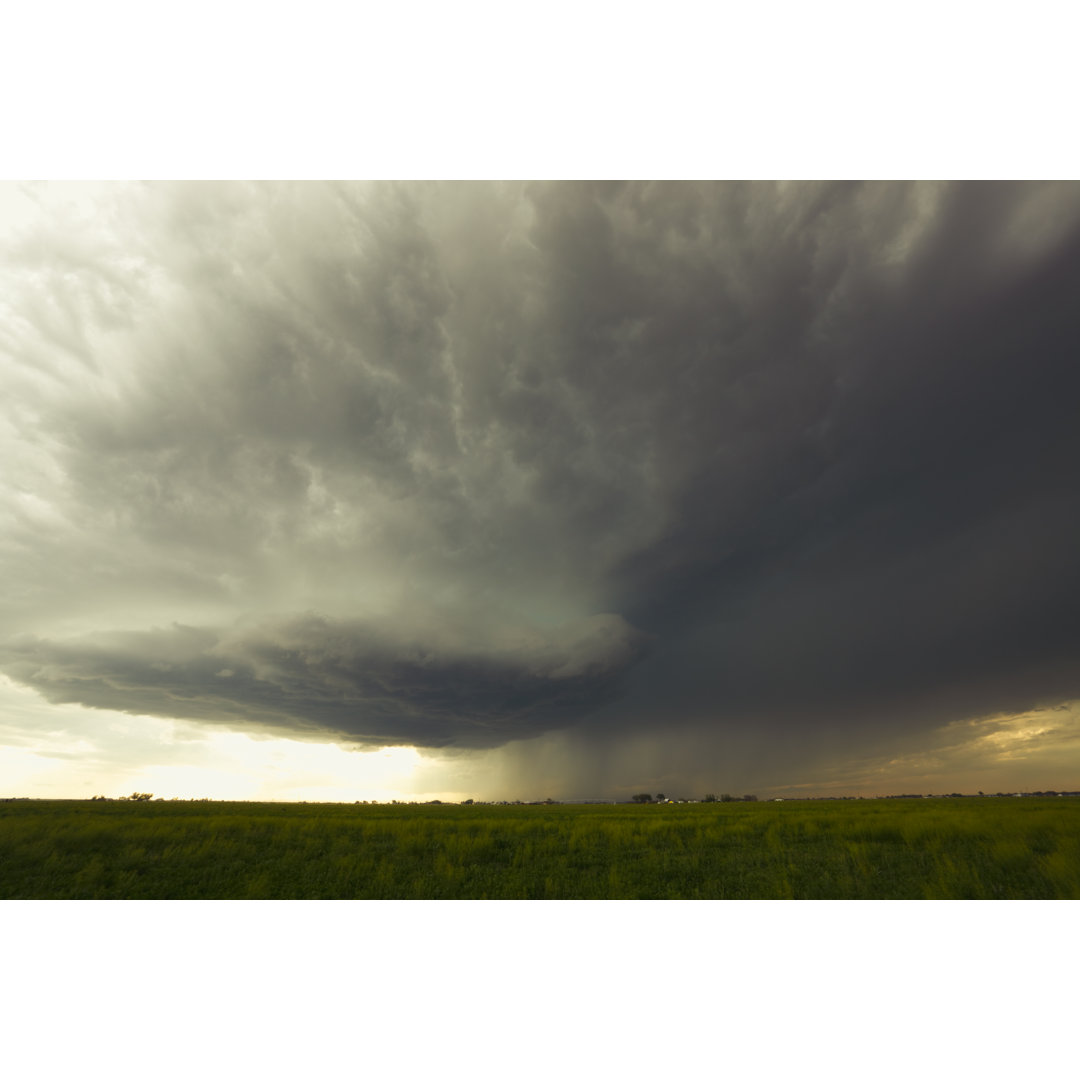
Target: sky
538 490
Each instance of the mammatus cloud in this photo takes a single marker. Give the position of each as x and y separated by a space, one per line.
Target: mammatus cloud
812 442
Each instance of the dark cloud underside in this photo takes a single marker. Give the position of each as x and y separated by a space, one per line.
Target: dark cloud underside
316 676
813 443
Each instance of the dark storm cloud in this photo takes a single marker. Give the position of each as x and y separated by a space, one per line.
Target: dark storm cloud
815 440
911 529
430 688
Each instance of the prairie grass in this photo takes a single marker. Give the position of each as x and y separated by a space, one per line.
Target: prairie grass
993 849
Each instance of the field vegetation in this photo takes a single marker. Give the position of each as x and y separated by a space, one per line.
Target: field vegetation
993 849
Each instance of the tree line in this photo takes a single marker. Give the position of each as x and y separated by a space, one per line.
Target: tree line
645 797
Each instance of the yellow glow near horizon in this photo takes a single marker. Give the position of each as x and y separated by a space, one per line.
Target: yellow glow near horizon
273 769
69 752
230 766
1035 749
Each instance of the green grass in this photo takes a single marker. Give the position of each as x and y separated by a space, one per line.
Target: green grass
984 849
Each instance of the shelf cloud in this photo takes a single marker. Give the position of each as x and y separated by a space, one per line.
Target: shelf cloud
367 682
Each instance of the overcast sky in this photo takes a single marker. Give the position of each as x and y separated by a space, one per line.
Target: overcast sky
516 490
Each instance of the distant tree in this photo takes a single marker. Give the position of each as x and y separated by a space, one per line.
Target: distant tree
661 797
140 796
644 797
709 798
467 802
727 798
749 798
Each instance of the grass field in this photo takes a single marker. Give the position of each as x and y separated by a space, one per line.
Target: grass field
992 849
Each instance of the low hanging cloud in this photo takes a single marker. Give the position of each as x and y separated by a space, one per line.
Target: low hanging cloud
350 681
811 444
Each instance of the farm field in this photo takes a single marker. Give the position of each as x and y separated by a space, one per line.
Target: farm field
992 849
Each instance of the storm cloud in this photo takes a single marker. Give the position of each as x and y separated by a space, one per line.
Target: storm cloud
333 678
742 469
